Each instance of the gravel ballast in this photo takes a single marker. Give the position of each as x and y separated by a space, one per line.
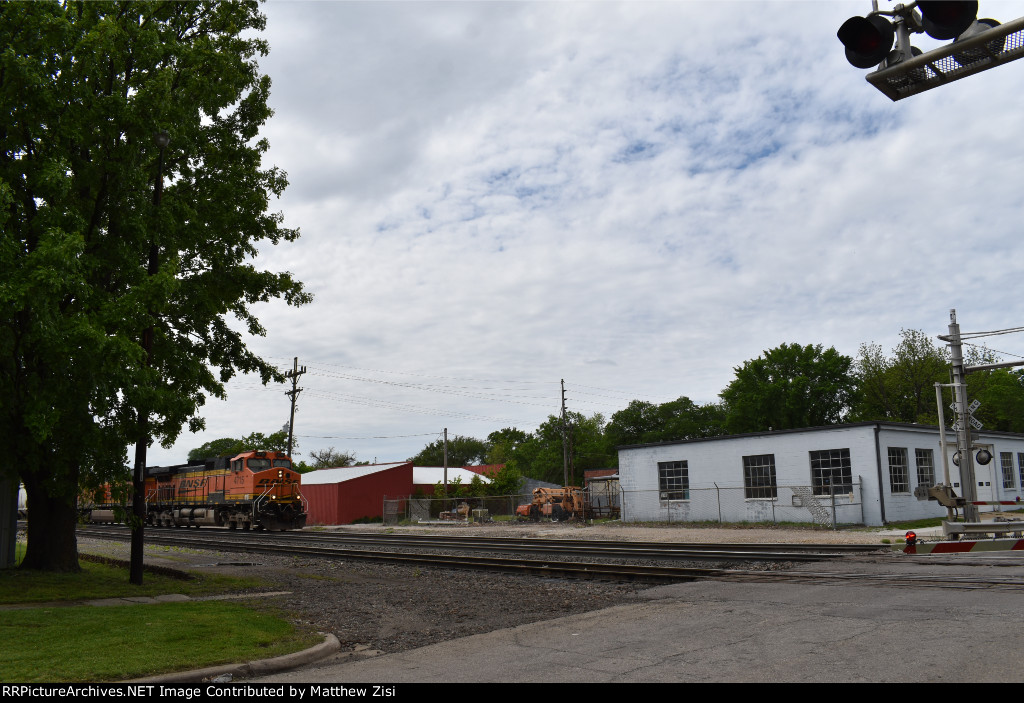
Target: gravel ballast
373 607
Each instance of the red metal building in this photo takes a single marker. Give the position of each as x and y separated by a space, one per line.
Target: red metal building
341 496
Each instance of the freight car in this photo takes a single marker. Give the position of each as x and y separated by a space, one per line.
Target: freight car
252 490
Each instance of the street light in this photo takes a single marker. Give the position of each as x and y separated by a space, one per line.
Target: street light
162 139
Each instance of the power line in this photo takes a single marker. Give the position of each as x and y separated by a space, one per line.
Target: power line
445 390
395 436
388 405
975 335
988 348
422 375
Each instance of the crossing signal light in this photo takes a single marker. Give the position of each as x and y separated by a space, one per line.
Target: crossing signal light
867 40
882 39
947 19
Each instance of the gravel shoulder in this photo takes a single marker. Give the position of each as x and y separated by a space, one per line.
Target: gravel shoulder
391 608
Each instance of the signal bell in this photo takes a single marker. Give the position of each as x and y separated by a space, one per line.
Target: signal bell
867 39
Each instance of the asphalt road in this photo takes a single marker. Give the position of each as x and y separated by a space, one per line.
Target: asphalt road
725 632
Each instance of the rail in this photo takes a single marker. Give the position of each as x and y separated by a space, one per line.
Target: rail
291 544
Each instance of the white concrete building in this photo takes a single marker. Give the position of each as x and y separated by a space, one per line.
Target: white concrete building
860 473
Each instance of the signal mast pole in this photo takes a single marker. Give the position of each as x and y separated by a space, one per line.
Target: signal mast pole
963 432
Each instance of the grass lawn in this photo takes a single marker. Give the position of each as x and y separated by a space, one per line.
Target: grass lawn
101 581
87 643
70 642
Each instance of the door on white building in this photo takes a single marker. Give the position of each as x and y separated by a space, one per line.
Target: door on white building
984 476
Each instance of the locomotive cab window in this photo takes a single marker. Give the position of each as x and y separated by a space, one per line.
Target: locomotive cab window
259 464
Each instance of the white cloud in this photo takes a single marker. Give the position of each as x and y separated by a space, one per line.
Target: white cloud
635 197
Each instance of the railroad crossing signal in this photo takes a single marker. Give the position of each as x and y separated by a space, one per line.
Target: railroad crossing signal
974 422
868 40
904 70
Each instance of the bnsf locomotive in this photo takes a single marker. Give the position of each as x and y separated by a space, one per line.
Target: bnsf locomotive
252 490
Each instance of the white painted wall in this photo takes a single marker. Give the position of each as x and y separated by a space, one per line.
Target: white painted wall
716 475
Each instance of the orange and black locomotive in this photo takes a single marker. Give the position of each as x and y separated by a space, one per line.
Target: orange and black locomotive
251 490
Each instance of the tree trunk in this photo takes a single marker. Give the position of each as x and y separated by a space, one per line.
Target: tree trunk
52 542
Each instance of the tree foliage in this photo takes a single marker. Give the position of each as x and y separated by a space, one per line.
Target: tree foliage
502 444
330 459
462 451
1000 392
901 387
89 262
228 446
505 482
642 422
540 455
790 386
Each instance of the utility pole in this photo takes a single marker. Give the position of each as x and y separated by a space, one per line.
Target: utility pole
565 441
293 394
446 461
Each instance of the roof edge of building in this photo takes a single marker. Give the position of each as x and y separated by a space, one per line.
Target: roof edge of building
822 428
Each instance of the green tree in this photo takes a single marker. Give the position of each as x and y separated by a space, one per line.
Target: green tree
1000 392
228 446
900 387
642 422
502 444
329 458
637 423
91 265
790 386
454 489
505 483
478 487
540 456
588 445
462 451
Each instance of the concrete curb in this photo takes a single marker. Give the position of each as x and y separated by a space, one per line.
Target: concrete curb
329 646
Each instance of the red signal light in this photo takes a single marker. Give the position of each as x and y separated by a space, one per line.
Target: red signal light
867 40
947 19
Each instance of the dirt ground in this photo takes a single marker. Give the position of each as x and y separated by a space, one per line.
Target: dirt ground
374 608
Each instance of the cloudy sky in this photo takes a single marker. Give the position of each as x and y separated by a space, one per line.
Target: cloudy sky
633 197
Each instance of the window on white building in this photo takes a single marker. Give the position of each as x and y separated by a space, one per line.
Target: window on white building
899 475
831 470
925 459
1020 469
673 480
1006 462
759 476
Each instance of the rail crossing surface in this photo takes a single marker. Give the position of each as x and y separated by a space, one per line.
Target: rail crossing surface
906 619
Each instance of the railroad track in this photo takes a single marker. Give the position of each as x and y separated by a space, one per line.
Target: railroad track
437 552
609 549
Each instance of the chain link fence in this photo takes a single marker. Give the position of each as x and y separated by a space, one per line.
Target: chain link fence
711 504
784 504
413 510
